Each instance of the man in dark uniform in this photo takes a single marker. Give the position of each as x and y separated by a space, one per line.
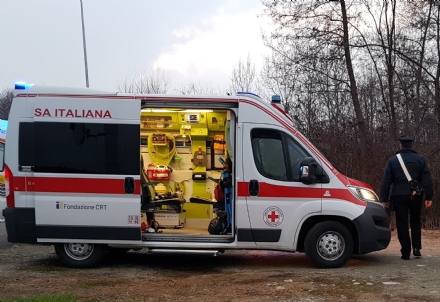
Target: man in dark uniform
404 199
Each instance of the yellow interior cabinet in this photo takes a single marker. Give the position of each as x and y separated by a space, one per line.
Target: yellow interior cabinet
198 211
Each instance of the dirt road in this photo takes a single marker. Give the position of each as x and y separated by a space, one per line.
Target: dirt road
27 271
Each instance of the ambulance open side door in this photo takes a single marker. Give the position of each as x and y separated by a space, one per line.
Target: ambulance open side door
277 201
86 169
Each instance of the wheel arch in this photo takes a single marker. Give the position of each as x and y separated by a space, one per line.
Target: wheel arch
313 220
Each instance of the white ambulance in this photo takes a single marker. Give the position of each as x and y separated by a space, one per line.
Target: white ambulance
3 129
95 172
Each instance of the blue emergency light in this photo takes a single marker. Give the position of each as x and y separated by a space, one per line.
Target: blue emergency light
22 85
276 99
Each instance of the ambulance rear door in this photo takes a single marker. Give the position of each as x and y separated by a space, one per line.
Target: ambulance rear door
86 169
276 200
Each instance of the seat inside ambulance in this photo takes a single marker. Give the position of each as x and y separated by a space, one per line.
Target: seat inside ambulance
151 199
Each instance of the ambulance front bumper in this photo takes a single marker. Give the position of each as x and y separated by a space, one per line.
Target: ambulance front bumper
373 229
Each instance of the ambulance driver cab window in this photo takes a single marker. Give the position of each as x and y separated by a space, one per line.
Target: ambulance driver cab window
296 155
277 155
268 151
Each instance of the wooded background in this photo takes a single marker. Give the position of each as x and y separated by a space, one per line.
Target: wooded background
353 75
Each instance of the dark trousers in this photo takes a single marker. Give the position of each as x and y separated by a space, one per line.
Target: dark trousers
404 205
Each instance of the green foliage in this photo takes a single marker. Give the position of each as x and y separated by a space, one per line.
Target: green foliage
55 298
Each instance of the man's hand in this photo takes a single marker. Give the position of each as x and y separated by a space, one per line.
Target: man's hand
428 203
386 204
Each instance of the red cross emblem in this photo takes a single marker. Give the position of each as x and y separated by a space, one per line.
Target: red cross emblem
273 216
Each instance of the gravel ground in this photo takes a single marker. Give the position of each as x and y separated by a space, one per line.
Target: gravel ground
29 270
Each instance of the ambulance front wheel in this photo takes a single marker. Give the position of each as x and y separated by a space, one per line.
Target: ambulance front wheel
80 255
329 244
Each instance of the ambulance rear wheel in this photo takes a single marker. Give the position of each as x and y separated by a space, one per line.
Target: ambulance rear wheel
80 255
329 244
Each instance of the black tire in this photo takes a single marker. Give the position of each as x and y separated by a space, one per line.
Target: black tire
329 244
80 255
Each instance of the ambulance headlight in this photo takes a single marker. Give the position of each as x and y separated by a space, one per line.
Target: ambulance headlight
364 194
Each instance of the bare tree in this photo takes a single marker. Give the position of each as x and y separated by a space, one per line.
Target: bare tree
437 76
321 32
278 77
199 89
387 24
6 97
243 76
353 87
424 32
155 81
359 70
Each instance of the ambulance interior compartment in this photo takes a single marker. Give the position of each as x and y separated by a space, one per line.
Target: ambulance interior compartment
181 152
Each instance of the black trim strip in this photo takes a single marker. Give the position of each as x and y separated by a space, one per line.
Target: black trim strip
88 232
259 235
245 235
154 237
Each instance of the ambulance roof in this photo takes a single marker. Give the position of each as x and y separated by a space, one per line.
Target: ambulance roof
22 88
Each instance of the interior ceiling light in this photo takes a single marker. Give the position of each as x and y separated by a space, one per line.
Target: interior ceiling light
176 110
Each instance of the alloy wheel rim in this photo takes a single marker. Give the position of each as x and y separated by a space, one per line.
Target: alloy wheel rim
330 246
79 251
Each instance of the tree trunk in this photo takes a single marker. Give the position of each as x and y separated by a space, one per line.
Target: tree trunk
437 76
391 63
419 69
353 87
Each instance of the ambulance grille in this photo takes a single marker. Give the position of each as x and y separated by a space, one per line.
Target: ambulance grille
2 191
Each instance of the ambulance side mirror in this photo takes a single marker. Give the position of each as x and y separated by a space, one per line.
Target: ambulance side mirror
311 172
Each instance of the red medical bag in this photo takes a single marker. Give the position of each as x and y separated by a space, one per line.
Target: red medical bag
158 172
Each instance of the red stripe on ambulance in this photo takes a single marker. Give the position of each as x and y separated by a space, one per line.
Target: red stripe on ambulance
269 190
72 185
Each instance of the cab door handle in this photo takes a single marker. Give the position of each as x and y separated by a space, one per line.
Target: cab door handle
254 187
129 185
26 168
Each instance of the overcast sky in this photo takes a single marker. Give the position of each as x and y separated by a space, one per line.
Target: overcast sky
197 40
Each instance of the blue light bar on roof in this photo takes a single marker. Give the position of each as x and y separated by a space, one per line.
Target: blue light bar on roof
22 85
276 99
248 93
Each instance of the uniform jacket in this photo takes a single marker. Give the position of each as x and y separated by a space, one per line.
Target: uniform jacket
417 167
